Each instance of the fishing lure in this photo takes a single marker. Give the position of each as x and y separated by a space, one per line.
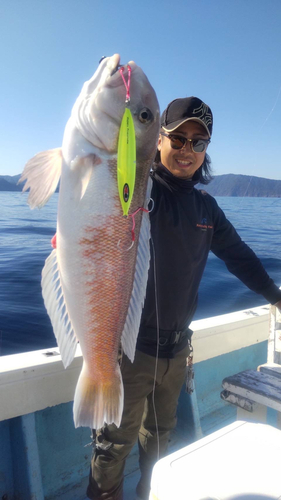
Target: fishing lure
126 153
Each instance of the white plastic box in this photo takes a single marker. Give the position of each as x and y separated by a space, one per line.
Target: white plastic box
242 460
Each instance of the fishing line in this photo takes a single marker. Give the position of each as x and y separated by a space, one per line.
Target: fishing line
274 106
268 116
126 172
157 351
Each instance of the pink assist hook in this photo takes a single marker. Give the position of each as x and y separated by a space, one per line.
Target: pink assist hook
128 83
134 222
133 227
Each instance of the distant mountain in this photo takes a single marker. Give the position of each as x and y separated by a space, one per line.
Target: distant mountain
9 183
221 185
242 185
11 178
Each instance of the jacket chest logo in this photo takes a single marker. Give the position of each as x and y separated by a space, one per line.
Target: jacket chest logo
204 225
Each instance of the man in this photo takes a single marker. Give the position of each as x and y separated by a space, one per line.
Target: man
185 225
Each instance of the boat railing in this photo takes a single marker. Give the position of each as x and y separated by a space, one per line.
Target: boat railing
35 380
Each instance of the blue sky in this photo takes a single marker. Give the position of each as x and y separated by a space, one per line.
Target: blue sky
227 52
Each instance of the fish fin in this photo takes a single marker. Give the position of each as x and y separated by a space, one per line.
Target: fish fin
57 310
42 175
85 181
132 323
85 165
97 402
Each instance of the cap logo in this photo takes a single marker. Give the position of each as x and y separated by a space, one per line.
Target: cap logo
203 113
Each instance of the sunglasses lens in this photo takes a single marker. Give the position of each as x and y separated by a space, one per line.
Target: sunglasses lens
177 142
199 146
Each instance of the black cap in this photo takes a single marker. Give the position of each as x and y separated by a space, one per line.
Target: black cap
188 108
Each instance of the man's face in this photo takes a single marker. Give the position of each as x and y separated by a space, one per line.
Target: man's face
183 162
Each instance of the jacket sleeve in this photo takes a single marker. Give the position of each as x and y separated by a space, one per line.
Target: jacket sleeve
240 259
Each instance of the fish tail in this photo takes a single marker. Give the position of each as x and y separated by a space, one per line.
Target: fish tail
97 401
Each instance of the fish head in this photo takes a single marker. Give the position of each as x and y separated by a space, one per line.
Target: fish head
98 111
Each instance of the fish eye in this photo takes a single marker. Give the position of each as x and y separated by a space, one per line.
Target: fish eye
145 115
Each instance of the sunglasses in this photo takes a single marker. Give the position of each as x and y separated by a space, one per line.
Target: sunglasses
179 142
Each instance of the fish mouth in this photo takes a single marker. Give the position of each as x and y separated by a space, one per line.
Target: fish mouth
118 66
125 66
116 69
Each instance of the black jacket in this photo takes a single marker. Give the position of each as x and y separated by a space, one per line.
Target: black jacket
185 225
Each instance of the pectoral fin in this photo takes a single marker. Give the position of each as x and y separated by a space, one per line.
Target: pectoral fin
42 175
84 168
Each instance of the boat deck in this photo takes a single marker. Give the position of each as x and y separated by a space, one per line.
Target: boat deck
130 484
36 422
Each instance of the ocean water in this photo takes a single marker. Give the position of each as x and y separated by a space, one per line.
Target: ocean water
25 242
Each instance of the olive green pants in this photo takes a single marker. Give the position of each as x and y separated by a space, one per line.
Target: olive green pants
113 444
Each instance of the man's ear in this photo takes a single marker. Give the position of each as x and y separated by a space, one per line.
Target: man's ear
159 142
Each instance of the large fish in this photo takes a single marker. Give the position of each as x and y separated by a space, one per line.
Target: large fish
94 282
